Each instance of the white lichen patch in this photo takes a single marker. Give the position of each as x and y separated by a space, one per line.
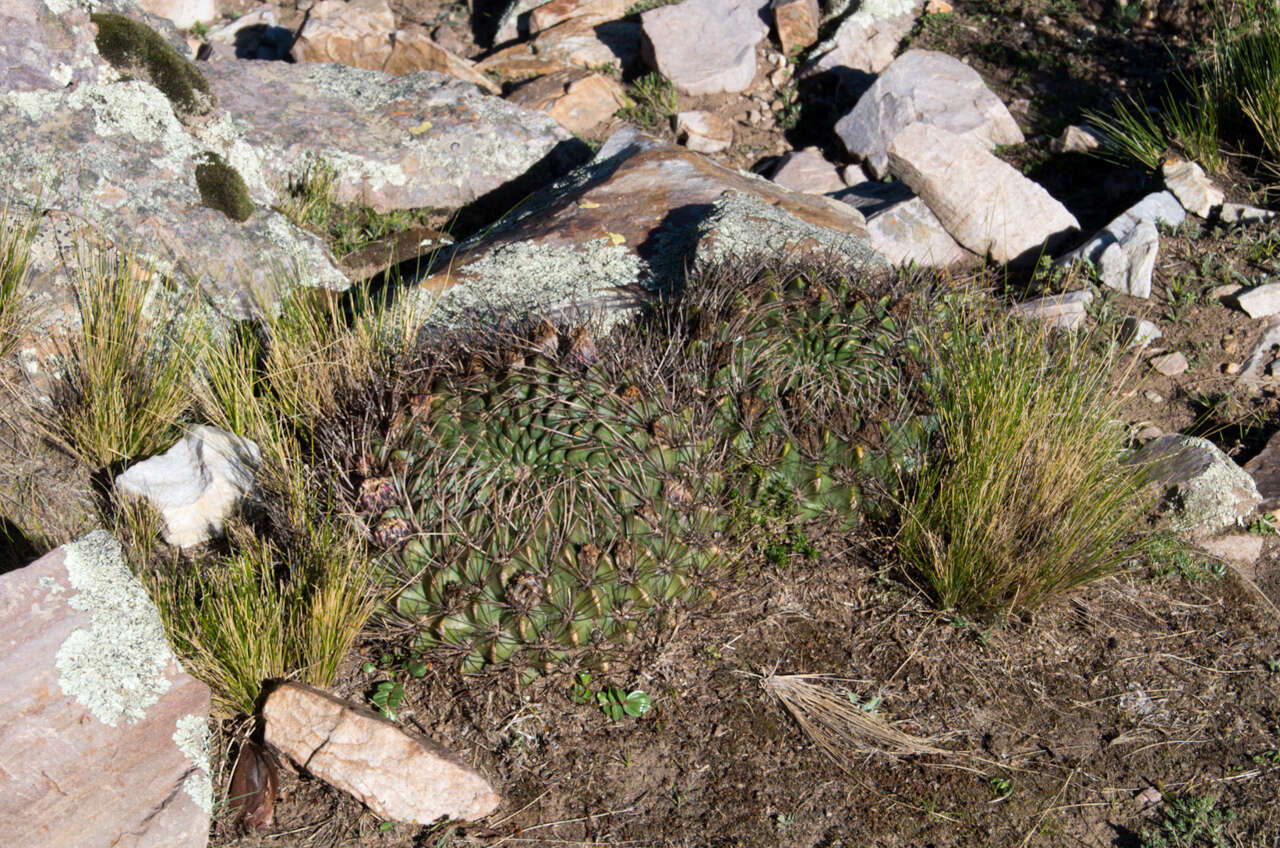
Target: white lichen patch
519 280
221 135
54 587
141 111
192 739
115 668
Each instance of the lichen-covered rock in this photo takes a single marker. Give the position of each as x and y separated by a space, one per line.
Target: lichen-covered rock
1205 491
603 239
418 140
924 86
400 775
140 52
119 168
104 736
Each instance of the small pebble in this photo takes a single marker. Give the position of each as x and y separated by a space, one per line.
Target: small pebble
1171 364
1231 369
1154 397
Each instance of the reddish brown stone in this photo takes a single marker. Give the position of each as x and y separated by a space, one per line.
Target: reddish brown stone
102 741
797 23
579 100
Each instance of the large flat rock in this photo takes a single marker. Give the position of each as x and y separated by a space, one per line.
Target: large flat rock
397 142
103 738
984 203
609 235
924 86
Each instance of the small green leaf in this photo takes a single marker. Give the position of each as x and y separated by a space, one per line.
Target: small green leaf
416 668
636 704
368 668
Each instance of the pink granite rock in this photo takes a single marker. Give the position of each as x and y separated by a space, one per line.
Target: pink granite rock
103 738
399 775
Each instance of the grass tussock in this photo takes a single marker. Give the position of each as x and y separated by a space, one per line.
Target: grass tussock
130 367
1027 496
837 724
16 235
1228 99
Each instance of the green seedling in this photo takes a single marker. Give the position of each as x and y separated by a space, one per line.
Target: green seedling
616 702
1001 787
387 697
581 691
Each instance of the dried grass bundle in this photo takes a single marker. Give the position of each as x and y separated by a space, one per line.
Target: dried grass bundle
837 725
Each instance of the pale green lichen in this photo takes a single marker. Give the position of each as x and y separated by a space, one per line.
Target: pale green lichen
1217 497
116 666
192 738
522 279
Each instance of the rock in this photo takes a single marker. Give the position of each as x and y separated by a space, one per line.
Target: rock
806 171
363 34
1148 433
591 45
937 7
419 140
1265 471
1241 549
1189 184
676 44
116 167
908 233
984 203
867 39
1256 368
872 197
578 99
1153 397
183 13
399 775
1123 256
44 51
796 22
704 132
1075 139
923 86
608 236
1060 311
104 736
1240 213
588 11
1205 491
196 484
1127 265
1136 332
1260 301
1170 364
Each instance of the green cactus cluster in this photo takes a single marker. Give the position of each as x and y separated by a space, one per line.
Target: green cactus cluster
542 509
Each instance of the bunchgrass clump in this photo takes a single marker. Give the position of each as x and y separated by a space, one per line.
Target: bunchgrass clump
129 366
1229 99
16 234
1026 496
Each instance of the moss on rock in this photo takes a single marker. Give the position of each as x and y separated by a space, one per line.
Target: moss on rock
135 48
222 188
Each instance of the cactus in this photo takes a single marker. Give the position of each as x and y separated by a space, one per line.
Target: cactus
556 505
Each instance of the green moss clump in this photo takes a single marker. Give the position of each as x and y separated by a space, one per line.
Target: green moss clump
135 48
222 188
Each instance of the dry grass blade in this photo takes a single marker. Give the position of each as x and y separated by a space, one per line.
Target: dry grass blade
837 726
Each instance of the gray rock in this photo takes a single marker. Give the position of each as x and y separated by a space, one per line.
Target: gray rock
909 233
1060 311
872 197
44 51
806 171
1127 265
1241 549
1189 184
1170 364
183 13
1260 301
1257 368
196 484
1240 213
104 736
600 242
1205 491
418 140
923 86
254 35
1137 332
1075 139
984 203
1265 471
677 43
867 38
119 169
1157 208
